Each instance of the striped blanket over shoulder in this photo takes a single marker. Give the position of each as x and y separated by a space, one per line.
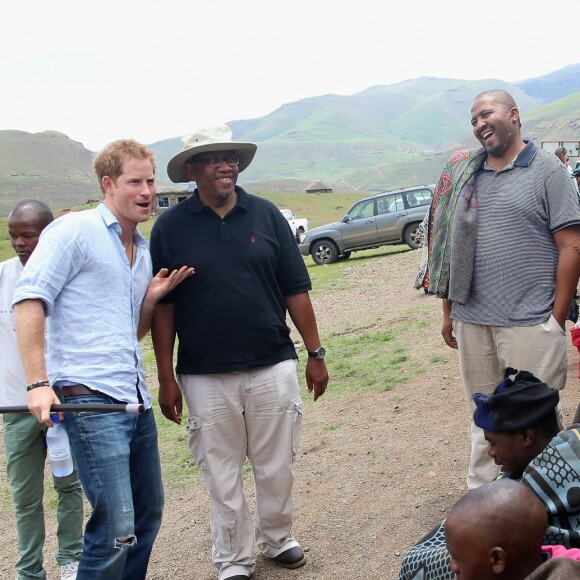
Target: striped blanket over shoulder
554 476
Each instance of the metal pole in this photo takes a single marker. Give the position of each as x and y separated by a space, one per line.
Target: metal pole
132 408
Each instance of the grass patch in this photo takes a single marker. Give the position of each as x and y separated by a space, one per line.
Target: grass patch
368 361
334 427
332 276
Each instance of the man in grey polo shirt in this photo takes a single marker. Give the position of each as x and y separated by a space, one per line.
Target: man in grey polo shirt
503 254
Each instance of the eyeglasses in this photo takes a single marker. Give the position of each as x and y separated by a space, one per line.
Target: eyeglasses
216 160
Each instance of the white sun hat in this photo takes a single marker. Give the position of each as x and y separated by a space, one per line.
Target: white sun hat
206 140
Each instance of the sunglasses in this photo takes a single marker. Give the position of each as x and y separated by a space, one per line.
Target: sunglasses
217 160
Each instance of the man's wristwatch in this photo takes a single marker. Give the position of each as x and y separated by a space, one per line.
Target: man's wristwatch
319 353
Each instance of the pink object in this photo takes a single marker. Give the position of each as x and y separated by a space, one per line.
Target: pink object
562 551
575 333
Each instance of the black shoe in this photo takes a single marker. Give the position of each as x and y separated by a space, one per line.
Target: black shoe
238 577
291 558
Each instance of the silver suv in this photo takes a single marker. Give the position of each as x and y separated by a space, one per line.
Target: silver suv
388 218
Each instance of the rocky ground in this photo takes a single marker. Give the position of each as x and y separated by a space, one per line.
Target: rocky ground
375 471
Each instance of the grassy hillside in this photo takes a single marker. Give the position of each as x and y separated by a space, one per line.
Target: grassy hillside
381 138
553 86
386 136
47 166
48 154
557 120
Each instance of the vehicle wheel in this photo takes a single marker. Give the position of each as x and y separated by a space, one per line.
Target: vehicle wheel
413 236
324 252
299 234
344 256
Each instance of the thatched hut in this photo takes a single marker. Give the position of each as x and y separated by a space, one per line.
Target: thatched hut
318 187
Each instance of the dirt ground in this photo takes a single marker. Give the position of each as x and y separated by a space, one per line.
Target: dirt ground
375 471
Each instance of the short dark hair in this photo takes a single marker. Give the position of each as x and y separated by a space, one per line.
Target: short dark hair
503 97
41 212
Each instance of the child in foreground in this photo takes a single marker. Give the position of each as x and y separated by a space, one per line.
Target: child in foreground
495 532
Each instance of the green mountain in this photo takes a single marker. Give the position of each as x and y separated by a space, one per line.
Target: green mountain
385 136
46 165
552 86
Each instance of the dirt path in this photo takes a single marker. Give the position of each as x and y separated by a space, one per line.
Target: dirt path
375 471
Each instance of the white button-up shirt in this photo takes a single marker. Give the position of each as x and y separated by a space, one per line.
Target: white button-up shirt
92 298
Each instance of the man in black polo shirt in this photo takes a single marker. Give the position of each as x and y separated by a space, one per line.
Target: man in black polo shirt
236 362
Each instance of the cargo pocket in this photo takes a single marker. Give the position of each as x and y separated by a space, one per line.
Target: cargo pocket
193 425
296 428
226 535
193 429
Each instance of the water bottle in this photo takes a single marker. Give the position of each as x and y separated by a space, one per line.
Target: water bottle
59 453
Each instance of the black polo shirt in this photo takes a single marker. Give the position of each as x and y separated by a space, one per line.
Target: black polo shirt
231 314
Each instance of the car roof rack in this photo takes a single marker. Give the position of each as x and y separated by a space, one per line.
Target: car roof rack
397 189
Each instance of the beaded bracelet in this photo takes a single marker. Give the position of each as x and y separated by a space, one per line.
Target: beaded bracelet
37 384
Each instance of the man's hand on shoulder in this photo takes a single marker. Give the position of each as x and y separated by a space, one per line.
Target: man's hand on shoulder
164 282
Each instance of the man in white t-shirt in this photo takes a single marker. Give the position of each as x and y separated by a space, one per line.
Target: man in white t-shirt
24 436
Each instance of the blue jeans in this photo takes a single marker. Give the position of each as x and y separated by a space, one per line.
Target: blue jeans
118 463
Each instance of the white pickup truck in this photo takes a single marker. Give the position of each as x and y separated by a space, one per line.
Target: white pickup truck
299 226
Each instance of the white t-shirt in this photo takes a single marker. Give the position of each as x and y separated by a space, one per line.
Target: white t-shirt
12 377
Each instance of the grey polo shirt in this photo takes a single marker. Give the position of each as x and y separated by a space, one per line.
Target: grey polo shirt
519 209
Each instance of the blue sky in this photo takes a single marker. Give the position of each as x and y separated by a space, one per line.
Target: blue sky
99 71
